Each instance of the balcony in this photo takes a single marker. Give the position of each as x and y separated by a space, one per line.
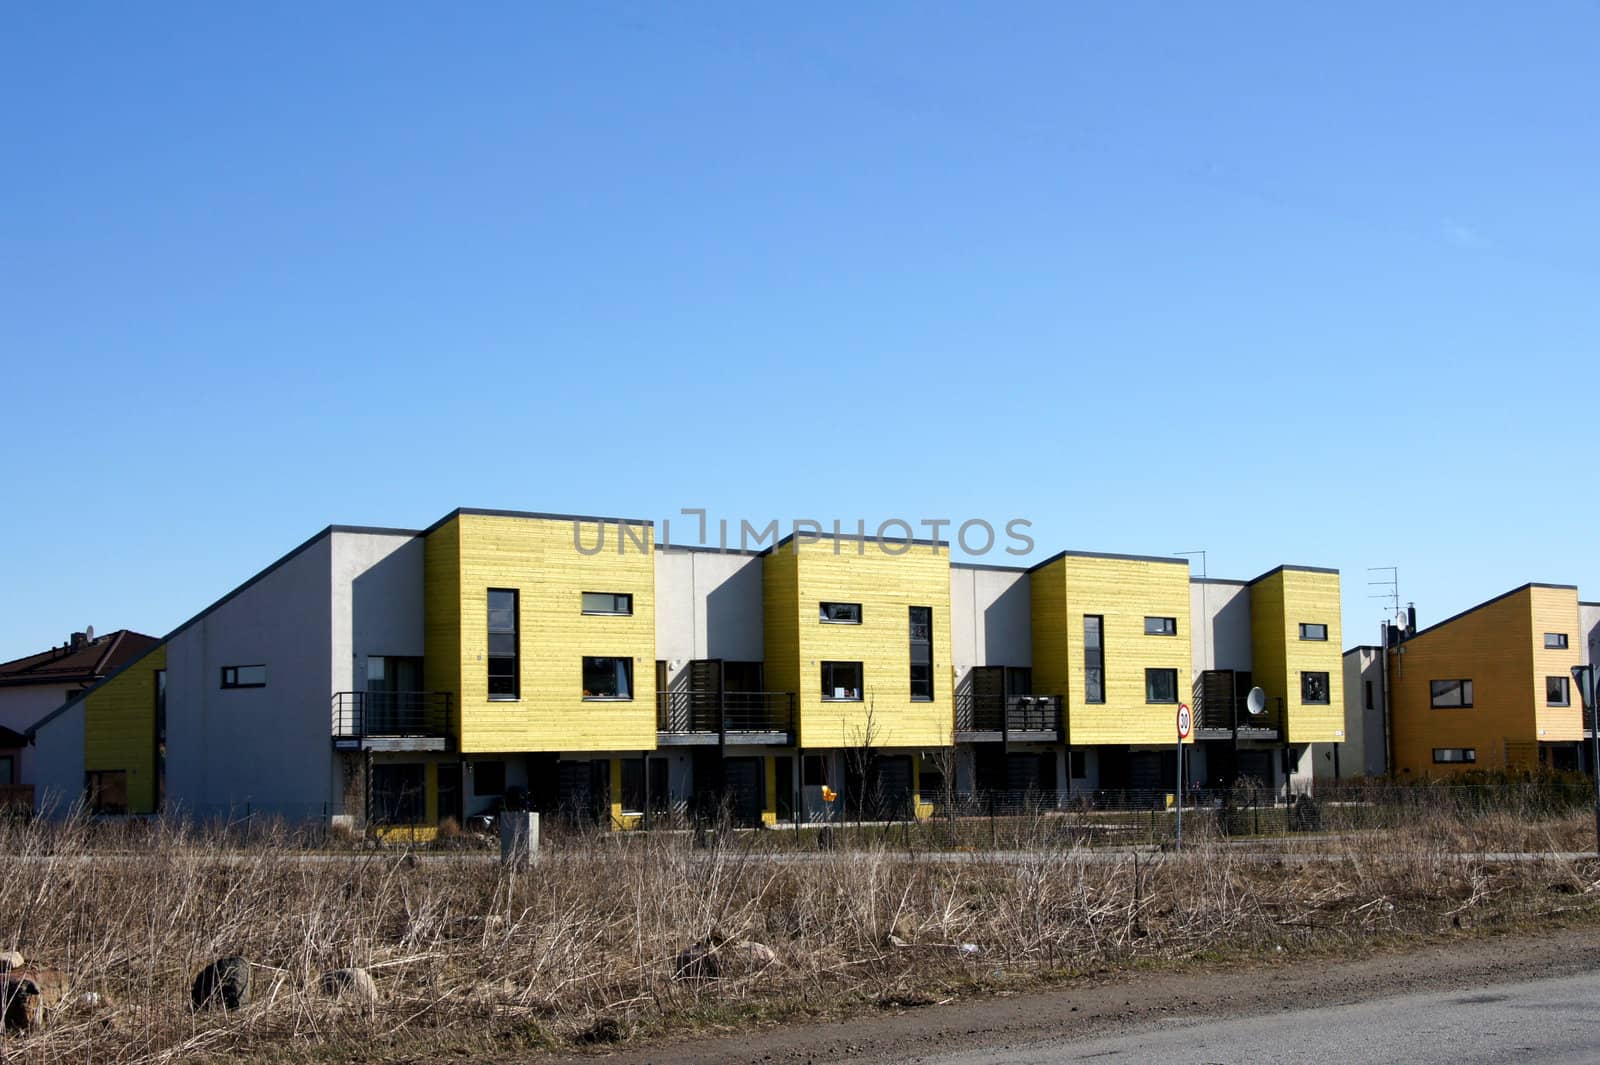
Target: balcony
391 721
1221 711
1008 718
689 718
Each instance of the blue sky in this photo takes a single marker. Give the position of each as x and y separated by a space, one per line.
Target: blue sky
1290 283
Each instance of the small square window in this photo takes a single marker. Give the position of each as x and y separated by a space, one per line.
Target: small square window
1555 641
1161 626
1314 689
839 613
608 603
1310 630
841 681
1160 685
607 678
1558 691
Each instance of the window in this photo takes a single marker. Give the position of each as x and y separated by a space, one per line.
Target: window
1313 631
839 613
399 793
814 771
1450 694
1555 641
841 681
244 676
1160 685
607 678
1161 626
1447 755
1369 695
1314 688
1077 764
1094 659
8 770
922 653
1558 691
106 791
505 673
488 778
608 603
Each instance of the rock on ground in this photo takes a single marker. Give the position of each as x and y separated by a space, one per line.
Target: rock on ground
349 985
28 997
224 984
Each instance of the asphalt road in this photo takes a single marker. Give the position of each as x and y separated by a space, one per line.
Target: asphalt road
1544 1022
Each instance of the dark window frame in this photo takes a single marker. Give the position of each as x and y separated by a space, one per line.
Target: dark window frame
822 678
1463 685
230 676
1562 644
1094 658
1307 626
1152 671
583 675
824 619
1469 756
515 657
1369 703
1566 691
926 644
1327 687
628 613
1168 627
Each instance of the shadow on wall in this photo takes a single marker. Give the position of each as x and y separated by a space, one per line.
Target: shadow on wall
734 621
1008 628
386 607
1230 634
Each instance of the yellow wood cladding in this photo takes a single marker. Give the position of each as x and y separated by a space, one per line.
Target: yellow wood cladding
1499 646
550 563
797 579
119 728
1122 591
1280 603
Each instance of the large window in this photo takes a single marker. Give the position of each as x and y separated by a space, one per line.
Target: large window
1161 626
244 676
841 681
1555 641
8 770
632 785
1314 688
1449 694
106 791
1160 685
608 603
1449 755
1313 631
607 678
839 613
1558 691
1094 659
922 652
399 793
505 672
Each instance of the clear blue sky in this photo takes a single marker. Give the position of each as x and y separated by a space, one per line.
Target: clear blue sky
1287 282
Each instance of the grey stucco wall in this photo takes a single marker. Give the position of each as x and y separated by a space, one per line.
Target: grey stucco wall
56 763
376 602
1589 625
1220 624
708 605
266 749
991 620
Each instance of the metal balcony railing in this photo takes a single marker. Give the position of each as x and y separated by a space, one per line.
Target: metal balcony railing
360 715
680 712
1220 704
1007 714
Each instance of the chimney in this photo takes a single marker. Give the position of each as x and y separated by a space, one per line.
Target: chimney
76 641
1411 620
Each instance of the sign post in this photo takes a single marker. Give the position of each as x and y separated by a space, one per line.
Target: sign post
1185 722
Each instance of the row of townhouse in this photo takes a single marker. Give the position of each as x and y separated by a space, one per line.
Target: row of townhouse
1490 688
575 664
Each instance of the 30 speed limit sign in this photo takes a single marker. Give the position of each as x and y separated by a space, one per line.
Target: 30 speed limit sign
1184 721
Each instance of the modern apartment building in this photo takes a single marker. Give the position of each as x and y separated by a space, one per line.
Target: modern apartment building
1491 687
575 664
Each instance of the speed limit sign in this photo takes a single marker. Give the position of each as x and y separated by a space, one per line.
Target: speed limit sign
1184 721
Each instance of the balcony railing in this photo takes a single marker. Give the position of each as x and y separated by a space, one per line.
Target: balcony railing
721 713
1008 715
1221 708
372 715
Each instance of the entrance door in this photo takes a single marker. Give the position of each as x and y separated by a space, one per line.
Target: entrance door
742 785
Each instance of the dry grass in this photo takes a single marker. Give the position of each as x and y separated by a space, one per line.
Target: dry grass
472 960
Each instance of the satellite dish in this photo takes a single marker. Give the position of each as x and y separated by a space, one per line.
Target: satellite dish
1256 702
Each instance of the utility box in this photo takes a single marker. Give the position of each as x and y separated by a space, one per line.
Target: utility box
519 838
